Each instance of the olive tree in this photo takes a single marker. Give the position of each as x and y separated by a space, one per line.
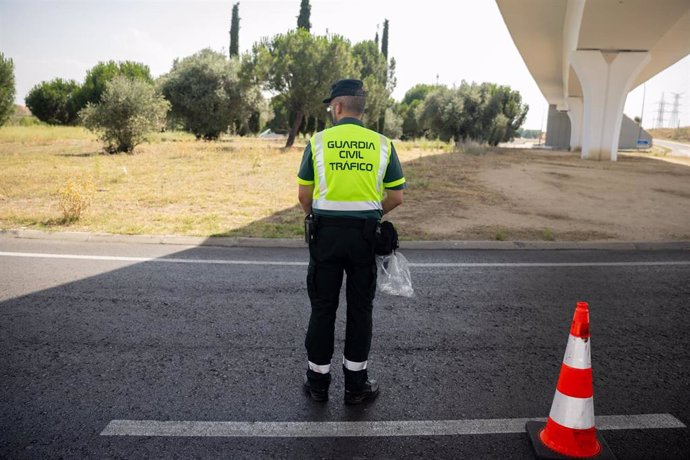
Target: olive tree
205 93
443 114
408 108
485 113
129 109
392 126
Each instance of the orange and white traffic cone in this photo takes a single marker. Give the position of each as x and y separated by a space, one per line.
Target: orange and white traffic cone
569 430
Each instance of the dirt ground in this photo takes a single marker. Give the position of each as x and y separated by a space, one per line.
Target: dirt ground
546 195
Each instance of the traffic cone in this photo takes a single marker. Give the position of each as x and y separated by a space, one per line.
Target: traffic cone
569 431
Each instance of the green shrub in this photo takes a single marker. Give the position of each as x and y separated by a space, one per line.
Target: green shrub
98 76
128 111
204 92
501 235
28 121
54 101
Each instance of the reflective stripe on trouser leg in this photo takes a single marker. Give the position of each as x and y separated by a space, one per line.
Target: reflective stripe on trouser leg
354 366
324 279
360 292
320 369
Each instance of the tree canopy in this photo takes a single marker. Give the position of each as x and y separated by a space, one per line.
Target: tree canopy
211 92
372 68
300 68
204 92
53 101
483 112
408 110
7 90
99 75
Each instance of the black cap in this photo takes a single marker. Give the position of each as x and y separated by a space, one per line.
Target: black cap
347 87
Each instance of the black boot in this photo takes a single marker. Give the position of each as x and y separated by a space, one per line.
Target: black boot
316 385
358 387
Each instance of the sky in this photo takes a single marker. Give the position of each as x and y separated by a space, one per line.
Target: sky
432 41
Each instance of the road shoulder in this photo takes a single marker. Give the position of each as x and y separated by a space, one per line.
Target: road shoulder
243 242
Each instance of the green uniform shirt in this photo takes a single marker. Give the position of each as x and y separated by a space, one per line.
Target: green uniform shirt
393 176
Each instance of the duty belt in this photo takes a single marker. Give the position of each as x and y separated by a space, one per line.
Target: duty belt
348 222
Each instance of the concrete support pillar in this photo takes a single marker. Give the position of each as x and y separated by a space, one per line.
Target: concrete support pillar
606 80
575 115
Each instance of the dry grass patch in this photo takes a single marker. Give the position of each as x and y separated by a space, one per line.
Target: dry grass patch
247 187
681 134
174 185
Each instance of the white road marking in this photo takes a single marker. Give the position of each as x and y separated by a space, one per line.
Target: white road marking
304 264
362 429
551 264
148 259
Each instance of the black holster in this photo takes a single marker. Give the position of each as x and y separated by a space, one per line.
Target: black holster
310 228
386 239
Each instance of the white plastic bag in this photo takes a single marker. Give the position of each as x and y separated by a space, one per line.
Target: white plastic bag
394 275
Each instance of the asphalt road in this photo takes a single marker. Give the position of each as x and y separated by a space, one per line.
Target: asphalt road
678 149
203 337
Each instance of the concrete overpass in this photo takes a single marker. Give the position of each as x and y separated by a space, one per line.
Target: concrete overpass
587 55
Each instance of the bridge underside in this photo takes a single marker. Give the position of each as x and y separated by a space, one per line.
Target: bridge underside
587 55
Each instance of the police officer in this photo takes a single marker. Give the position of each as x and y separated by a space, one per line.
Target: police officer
349 178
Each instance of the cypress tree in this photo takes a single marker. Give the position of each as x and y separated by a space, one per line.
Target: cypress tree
235 31
384 51
303 22
304 14
384 39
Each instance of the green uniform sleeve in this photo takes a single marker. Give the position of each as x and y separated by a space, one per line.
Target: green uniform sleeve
305 176
394 178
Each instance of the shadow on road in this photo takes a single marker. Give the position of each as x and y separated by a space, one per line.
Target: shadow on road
205 341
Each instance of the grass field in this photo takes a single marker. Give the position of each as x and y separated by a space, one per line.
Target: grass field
246 187
173 185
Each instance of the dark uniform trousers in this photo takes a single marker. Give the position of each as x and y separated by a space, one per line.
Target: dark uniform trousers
343 245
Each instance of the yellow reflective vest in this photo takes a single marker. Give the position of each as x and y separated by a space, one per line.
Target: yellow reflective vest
349 165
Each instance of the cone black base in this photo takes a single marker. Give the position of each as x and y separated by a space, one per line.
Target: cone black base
543 452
